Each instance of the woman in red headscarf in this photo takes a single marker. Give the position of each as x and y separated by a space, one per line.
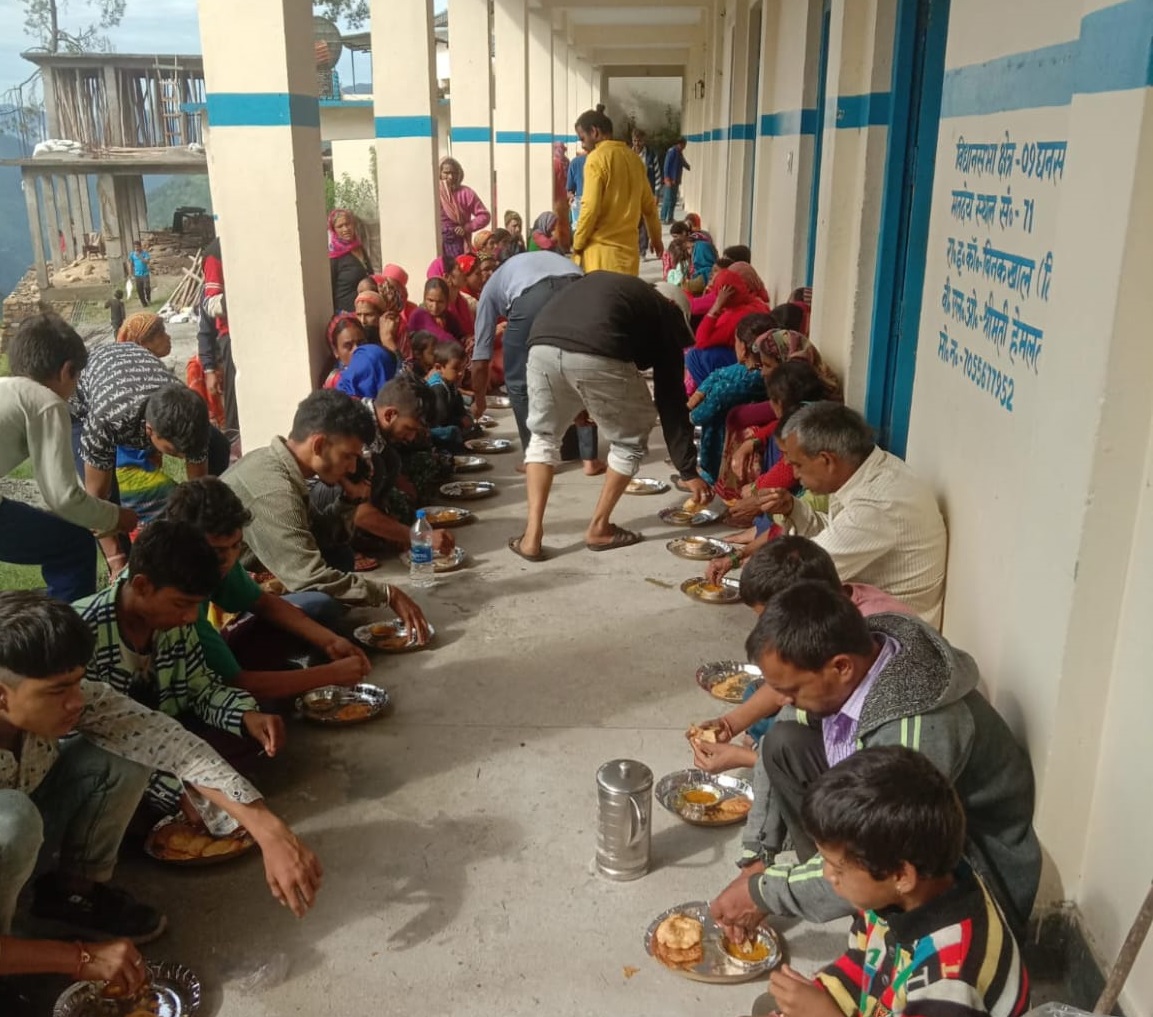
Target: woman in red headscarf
347 259
344 334
717 331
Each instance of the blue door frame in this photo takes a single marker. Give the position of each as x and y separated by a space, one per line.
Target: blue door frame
818 142
918 78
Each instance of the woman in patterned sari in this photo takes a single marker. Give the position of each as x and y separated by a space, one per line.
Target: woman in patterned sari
462 212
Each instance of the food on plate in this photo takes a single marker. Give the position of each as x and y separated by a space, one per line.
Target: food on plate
678 941
440 518
354 711
731 688
702 734
731 808
179 842
712 589
699 796
752 951
692 506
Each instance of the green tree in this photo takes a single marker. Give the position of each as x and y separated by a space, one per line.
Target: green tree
353 13
42 22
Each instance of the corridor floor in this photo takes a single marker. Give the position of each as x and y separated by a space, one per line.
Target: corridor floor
458 833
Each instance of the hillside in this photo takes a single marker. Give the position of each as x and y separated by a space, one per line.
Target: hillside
15 243
166 194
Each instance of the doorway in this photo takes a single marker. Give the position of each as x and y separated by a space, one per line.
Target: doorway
918 77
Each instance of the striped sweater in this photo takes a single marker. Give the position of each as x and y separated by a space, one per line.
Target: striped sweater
952 957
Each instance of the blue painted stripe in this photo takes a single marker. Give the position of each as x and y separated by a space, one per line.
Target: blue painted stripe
720 134
511 138
478 134
743 132
857 111
1112 54
788 122
262 109
397 127
540 138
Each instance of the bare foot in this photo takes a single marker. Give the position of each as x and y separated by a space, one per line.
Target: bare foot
594 467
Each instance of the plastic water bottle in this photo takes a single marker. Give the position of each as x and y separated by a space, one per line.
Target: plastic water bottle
422 572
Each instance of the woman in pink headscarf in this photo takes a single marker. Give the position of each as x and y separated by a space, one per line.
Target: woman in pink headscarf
347 259
462 212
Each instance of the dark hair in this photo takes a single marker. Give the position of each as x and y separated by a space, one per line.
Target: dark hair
679 228
175 555
446 353
723 262
793 384
421 341
753 325
449 263
332 414
884 807
118 294
788 316
807 625
499 236
595 120
41 637
782 563
436 283
739 252
210 505
43 345
178 415
682 141
830 427
403 396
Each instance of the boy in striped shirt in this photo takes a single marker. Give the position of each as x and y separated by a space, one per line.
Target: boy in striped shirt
929 939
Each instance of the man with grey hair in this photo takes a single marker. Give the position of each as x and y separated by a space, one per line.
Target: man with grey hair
883 526
586 351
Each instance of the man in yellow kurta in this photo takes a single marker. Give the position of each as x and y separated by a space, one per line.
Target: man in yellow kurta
617 194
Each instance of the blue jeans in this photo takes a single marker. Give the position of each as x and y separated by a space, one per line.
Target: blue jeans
669 202
320 607
65 552
80 811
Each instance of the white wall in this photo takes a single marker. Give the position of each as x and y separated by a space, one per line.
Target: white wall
1043 464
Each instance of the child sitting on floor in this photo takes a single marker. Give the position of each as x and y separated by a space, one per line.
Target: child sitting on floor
423 356
929 938
449 422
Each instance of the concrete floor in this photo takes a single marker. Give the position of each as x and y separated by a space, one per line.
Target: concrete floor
458 833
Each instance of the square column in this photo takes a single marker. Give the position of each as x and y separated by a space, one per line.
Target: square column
53 221
470 59
263 145
404 94
511 116
540 110
574 101
106 194
561 127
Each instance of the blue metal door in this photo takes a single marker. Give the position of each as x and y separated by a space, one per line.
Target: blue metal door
918 76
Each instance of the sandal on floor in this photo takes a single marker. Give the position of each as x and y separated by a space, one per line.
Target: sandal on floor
680 485
621 538
364 563
514 547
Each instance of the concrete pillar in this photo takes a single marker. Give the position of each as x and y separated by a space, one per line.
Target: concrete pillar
470 58
35 227
140 202
561 128
738 208
264 126
406 142
574 98
511 116
540 110
110 228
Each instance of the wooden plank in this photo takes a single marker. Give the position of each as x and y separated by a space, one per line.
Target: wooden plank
32 200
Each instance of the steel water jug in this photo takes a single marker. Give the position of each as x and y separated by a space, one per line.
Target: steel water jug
624 821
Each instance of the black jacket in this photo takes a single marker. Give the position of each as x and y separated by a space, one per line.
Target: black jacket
347 271
607 314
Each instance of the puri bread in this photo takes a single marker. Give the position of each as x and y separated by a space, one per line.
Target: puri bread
224 846
702 734
693 506
178 839
679 932
730 808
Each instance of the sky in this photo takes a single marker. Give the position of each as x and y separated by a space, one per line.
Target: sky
149 26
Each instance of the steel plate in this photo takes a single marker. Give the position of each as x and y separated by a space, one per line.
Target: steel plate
389 637
151 848
727 593
670 789
325 705
440 562
470 464
468 490
445 516
486 421
175 993
710 677
646 485
677 516
717 966
498 402
490 445
699 548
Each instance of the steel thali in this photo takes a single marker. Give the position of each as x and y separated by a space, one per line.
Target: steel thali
717 965
727 680
174 992
676 792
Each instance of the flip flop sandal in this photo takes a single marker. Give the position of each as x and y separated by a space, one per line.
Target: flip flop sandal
514 547
363 563
680 485
621 538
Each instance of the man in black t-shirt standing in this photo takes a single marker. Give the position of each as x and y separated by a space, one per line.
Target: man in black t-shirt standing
587 349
